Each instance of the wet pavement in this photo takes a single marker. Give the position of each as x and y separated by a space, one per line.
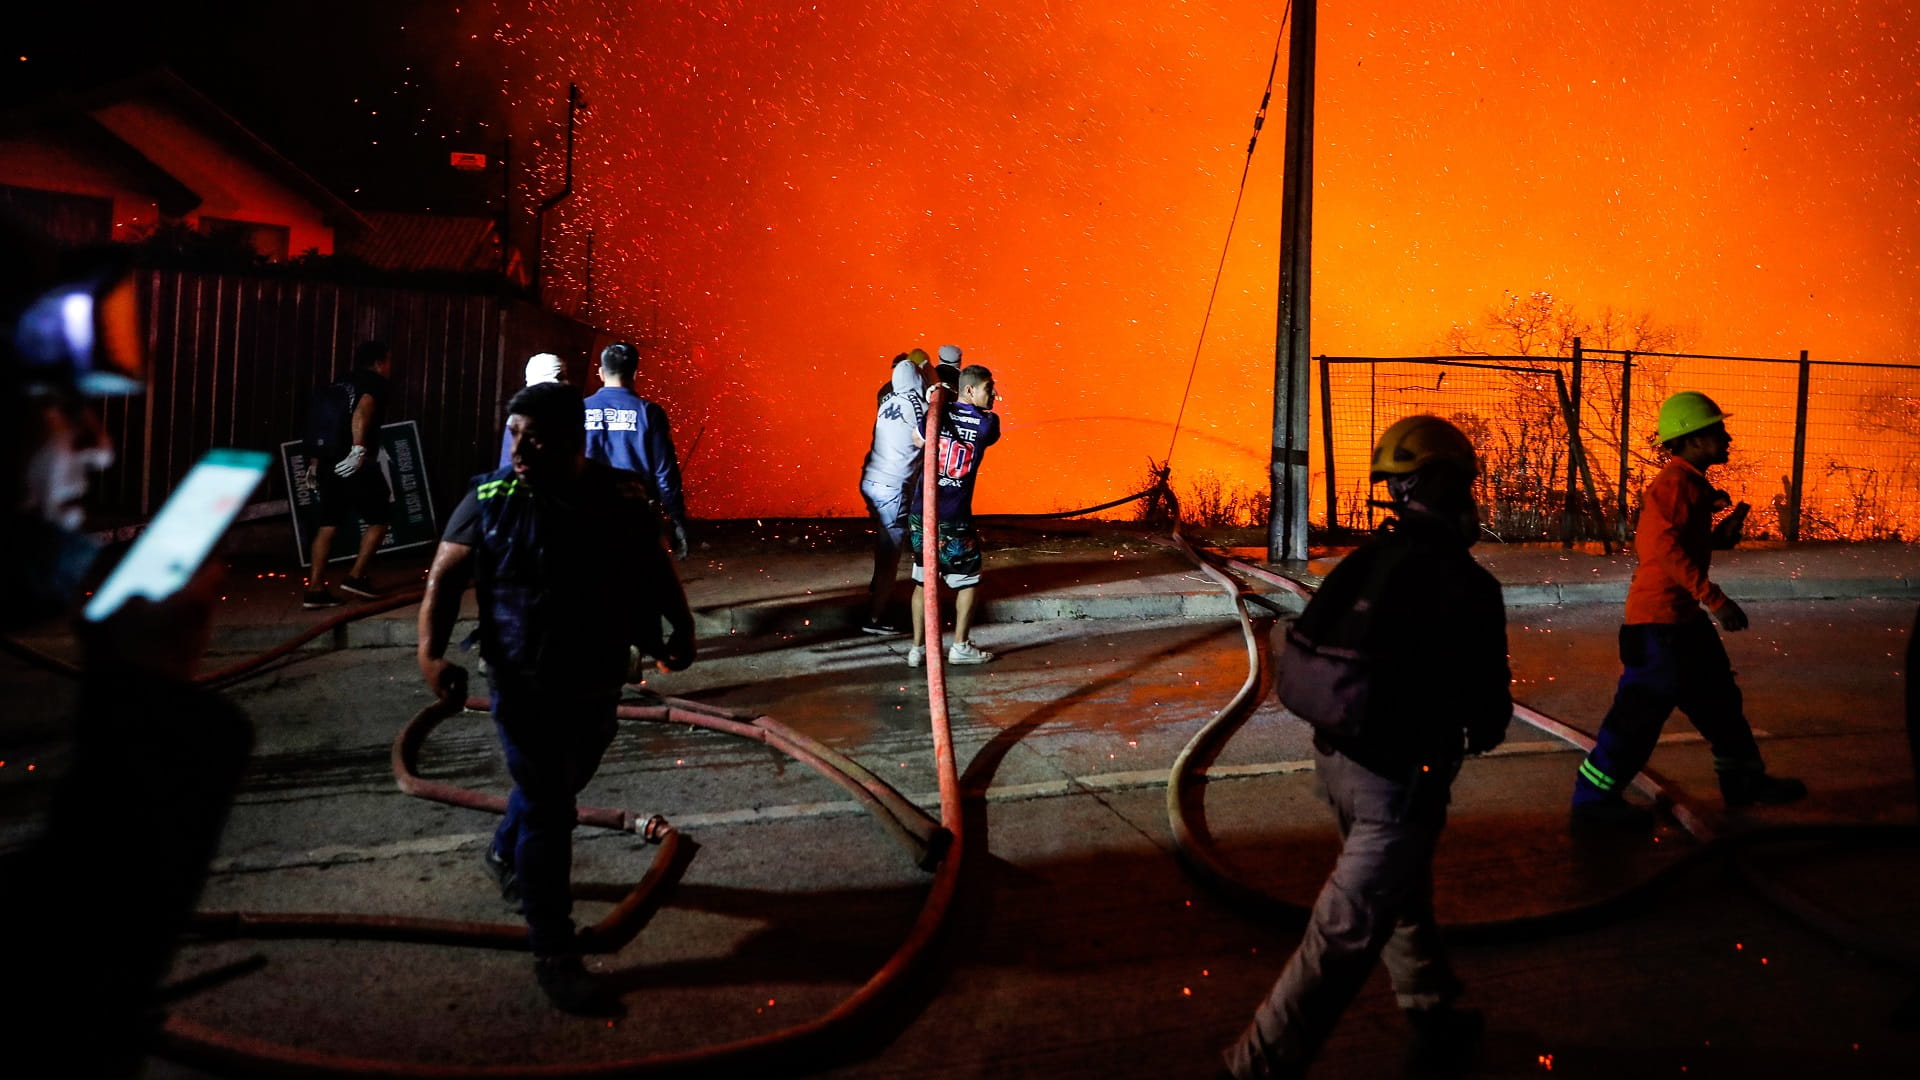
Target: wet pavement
1079 947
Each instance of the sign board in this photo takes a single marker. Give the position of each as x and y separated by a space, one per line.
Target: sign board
469 162
410 521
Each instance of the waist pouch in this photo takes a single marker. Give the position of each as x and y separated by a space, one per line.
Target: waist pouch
1329 682
1327 686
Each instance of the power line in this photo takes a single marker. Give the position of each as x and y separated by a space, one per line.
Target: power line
1259 121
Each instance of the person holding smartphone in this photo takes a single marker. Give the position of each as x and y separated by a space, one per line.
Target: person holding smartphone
571 576
91 911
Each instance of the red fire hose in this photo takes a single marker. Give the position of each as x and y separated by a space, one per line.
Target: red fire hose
936 846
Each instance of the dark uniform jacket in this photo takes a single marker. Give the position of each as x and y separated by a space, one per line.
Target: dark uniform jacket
1438 638
567 576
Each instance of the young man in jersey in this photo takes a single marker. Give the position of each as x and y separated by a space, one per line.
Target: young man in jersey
968 428
629 432
350 488
893 463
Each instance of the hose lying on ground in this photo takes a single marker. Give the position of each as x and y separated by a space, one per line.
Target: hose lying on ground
935 846
1197 853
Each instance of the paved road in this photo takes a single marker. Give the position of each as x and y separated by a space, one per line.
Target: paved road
1080 949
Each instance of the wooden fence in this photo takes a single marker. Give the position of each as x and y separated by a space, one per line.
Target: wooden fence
235 359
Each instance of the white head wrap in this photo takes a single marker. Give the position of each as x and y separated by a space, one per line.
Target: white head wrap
543 368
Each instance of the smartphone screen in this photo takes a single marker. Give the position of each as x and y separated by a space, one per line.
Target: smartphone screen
182 535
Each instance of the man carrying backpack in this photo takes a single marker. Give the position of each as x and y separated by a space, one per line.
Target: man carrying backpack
1400 664
350 488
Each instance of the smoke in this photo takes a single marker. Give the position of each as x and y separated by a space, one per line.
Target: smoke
783 195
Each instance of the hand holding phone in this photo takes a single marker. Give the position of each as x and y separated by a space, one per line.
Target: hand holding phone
177 542
161 637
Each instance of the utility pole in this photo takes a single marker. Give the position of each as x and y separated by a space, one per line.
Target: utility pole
1292 356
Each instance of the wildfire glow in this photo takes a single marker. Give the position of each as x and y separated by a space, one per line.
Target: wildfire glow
786 194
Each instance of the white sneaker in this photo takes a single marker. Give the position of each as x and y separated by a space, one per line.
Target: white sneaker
916 656
966 652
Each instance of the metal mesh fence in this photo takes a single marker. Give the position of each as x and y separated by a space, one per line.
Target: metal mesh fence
1854 429
1513 411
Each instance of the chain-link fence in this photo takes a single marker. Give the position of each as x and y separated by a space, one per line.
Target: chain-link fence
1822 450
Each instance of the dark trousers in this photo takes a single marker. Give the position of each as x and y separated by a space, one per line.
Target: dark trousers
1667 665
553 744
1377 905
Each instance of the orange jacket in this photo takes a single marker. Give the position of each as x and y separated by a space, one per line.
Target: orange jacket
1674 543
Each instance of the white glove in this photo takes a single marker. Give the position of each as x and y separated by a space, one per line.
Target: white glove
351 463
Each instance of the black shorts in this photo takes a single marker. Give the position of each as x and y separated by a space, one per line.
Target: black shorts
345 501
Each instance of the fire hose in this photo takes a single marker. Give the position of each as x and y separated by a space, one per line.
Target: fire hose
937 846
1197 854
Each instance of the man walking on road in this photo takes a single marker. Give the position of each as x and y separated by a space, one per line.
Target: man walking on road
968 428
893 463
570 575
1669 650
343 464
627 431
1400 664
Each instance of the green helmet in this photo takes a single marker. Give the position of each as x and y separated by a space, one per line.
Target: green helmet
1685 413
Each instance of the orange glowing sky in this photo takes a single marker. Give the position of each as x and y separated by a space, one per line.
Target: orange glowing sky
790 193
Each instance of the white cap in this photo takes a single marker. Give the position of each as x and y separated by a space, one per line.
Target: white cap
543 368
950 354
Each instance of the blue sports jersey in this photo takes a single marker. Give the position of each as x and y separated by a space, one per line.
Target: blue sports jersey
627 431
965 433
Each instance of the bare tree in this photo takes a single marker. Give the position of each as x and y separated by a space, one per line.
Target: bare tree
1543 327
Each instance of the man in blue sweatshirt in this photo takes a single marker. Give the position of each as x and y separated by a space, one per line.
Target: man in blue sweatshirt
627 431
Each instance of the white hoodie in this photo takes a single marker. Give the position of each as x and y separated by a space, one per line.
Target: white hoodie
895 458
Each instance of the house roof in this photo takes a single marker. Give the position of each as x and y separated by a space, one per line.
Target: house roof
164 85
398 241
63 122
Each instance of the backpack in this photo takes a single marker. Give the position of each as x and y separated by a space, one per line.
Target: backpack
329 427
1326 674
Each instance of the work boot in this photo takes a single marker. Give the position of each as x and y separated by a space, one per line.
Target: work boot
506 878
1743 788
573 989
1609 816
1444 1040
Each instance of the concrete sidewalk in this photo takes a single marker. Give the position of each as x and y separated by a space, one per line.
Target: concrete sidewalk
810 577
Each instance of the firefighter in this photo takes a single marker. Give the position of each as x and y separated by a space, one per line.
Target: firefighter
571 576
1669 650
1400 663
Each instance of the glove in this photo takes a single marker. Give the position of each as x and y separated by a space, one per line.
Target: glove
680 546
351 463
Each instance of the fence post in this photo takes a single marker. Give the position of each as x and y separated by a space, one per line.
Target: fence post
1573 463
1626 436
1790 528
1326 439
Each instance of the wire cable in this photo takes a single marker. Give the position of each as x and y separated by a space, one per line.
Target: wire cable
1259 121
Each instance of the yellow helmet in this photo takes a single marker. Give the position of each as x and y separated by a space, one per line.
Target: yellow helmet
1685 413
1415 442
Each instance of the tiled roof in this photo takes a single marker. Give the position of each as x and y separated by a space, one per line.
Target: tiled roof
398 241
